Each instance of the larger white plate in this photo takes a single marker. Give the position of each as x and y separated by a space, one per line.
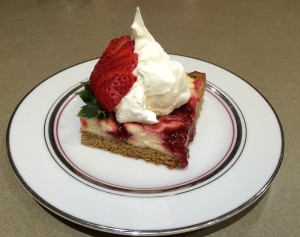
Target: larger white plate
235 156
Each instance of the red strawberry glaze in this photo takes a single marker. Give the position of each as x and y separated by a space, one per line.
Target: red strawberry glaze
174 131
120 132
177 138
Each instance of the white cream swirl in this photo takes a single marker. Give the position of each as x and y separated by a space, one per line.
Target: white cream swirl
161 84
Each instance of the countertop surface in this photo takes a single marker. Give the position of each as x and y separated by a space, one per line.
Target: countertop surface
257 40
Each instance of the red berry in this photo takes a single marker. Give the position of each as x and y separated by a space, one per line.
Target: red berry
113 47
126 49
128 61
110 92
112 76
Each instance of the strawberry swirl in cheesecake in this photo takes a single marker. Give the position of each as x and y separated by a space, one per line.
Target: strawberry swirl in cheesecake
140 102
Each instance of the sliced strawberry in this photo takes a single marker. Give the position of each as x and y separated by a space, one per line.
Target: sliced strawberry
112 76
96 73
111 90
123 53
108 75
128 61
127 48
114 46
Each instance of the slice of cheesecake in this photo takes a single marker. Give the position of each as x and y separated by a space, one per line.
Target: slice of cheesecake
165 142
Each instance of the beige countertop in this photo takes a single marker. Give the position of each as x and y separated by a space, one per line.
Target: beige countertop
257 40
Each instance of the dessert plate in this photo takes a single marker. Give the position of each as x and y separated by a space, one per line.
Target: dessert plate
235 156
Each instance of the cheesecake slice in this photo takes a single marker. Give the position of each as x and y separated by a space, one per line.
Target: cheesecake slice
139 101
165 142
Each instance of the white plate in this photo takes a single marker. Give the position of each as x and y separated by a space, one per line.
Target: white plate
234 157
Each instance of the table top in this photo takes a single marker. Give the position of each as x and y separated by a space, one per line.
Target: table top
257 40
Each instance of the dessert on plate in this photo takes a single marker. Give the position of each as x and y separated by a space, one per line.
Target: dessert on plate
140 103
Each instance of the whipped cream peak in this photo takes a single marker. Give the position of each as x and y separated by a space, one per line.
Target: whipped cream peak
161 84
139 29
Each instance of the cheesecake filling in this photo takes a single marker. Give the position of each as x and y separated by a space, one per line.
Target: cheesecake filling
161 84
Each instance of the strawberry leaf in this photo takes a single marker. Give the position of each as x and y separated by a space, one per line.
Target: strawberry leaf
86 85
87 97
91 111
92 108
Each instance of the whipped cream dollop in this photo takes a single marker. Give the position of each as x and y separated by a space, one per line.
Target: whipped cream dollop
161 84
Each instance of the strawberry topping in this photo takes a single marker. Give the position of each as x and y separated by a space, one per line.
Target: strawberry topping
113 88
112 77
114 46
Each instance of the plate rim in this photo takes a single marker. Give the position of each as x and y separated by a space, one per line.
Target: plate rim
124 231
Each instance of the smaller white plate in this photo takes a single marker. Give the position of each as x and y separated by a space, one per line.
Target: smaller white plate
234 157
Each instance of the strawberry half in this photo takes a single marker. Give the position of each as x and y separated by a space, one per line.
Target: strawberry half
110 92
128 61
114 46
112 77
110 50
